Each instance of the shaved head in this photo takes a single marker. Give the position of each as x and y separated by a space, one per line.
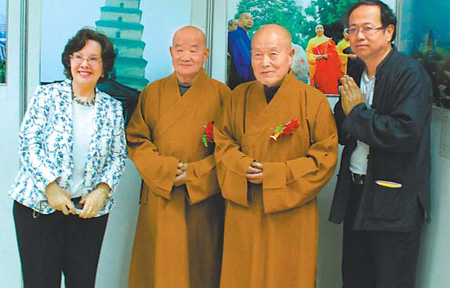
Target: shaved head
246 21
188 52
273 29
245 14
189 29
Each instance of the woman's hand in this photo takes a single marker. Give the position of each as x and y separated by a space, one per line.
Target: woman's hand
94 201
59 199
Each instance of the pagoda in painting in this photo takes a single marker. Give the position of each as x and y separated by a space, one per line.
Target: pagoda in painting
121 22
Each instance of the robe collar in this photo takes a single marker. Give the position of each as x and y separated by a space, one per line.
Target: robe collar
260 125
180 107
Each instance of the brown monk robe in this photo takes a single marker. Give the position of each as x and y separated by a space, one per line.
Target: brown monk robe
271 229
180 227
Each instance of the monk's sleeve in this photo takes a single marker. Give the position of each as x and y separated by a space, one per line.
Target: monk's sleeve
310 54
339 115
201 176
341 54
295 182
232 164
157 171
201 179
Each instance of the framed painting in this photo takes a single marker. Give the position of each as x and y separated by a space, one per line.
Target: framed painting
141 35
322 53
424 35
3 39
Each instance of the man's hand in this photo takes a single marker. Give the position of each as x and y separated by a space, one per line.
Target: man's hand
59 199
255 173
180 179
351 95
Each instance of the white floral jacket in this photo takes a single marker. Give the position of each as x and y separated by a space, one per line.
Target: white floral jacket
46 145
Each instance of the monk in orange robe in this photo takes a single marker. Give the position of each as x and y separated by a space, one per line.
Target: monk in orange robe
276 147
341 48
324 63
179 232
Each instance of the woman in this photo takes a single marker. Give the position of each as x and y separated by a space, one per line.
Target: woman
73 151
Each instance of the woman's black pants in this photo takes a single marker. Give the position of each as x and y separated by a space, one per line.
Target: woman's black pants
55 243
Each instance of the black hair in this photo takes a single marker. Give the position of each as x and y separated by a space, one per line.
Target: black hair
387 16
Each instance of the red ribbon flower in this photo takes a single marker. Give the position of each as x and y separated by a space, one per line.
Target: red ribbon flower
284 129
208 136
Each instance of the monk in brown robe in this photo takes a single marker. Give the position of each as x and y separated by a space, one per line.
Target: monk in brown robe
276 147
180 226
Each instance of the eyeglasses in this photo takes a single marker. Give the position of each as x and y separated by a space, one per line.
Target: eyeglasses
93 60
366 30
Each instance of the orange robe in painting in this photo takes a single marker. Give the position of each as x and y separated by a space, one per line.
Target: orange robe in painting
340 47
271 230
324 73
179 232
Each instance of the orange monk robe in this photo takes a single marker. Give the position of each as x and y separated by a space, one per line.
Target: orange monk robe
178 239
324 73
340 47
271 230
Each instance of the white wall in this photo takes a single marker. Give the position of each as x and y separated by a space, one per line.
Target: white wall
9 129
330 234
434 258
114 263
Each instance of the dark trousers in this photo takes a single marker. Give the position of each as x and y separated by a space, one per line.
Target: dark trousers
53 244
377 258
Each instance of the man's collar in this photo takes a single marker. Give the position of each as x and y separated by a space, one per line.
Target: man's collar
382 65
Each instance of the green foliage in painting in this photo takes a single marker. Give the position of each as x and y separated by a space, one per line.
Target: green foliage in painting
282 12
2 72
300 21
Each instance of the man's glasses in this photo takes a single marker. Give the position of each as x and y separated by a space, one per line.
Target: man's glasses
366 30
93 60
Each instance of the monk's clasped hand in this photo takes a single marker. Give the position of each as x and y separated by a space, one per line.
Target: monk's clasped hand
255 173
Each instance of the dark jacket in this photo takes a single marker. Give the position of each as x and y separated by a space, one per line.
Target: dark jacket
397 129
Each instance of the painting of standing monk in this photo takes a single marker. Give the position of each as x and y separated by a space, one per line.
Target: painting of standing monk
324 64
239 47
346 55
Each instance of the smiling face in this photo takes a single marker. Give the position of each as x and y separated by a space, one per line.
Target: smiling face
272 54
85 73
189 53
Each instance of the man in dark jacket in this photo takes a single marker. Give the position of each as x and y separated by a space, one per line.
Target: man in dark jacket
383 188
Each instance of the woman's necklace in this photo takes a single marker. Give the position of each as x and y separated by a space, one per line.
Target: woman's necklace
89 103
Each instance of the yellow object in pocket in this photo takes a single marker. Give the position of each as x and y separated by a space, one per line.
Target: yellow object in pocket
389 184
